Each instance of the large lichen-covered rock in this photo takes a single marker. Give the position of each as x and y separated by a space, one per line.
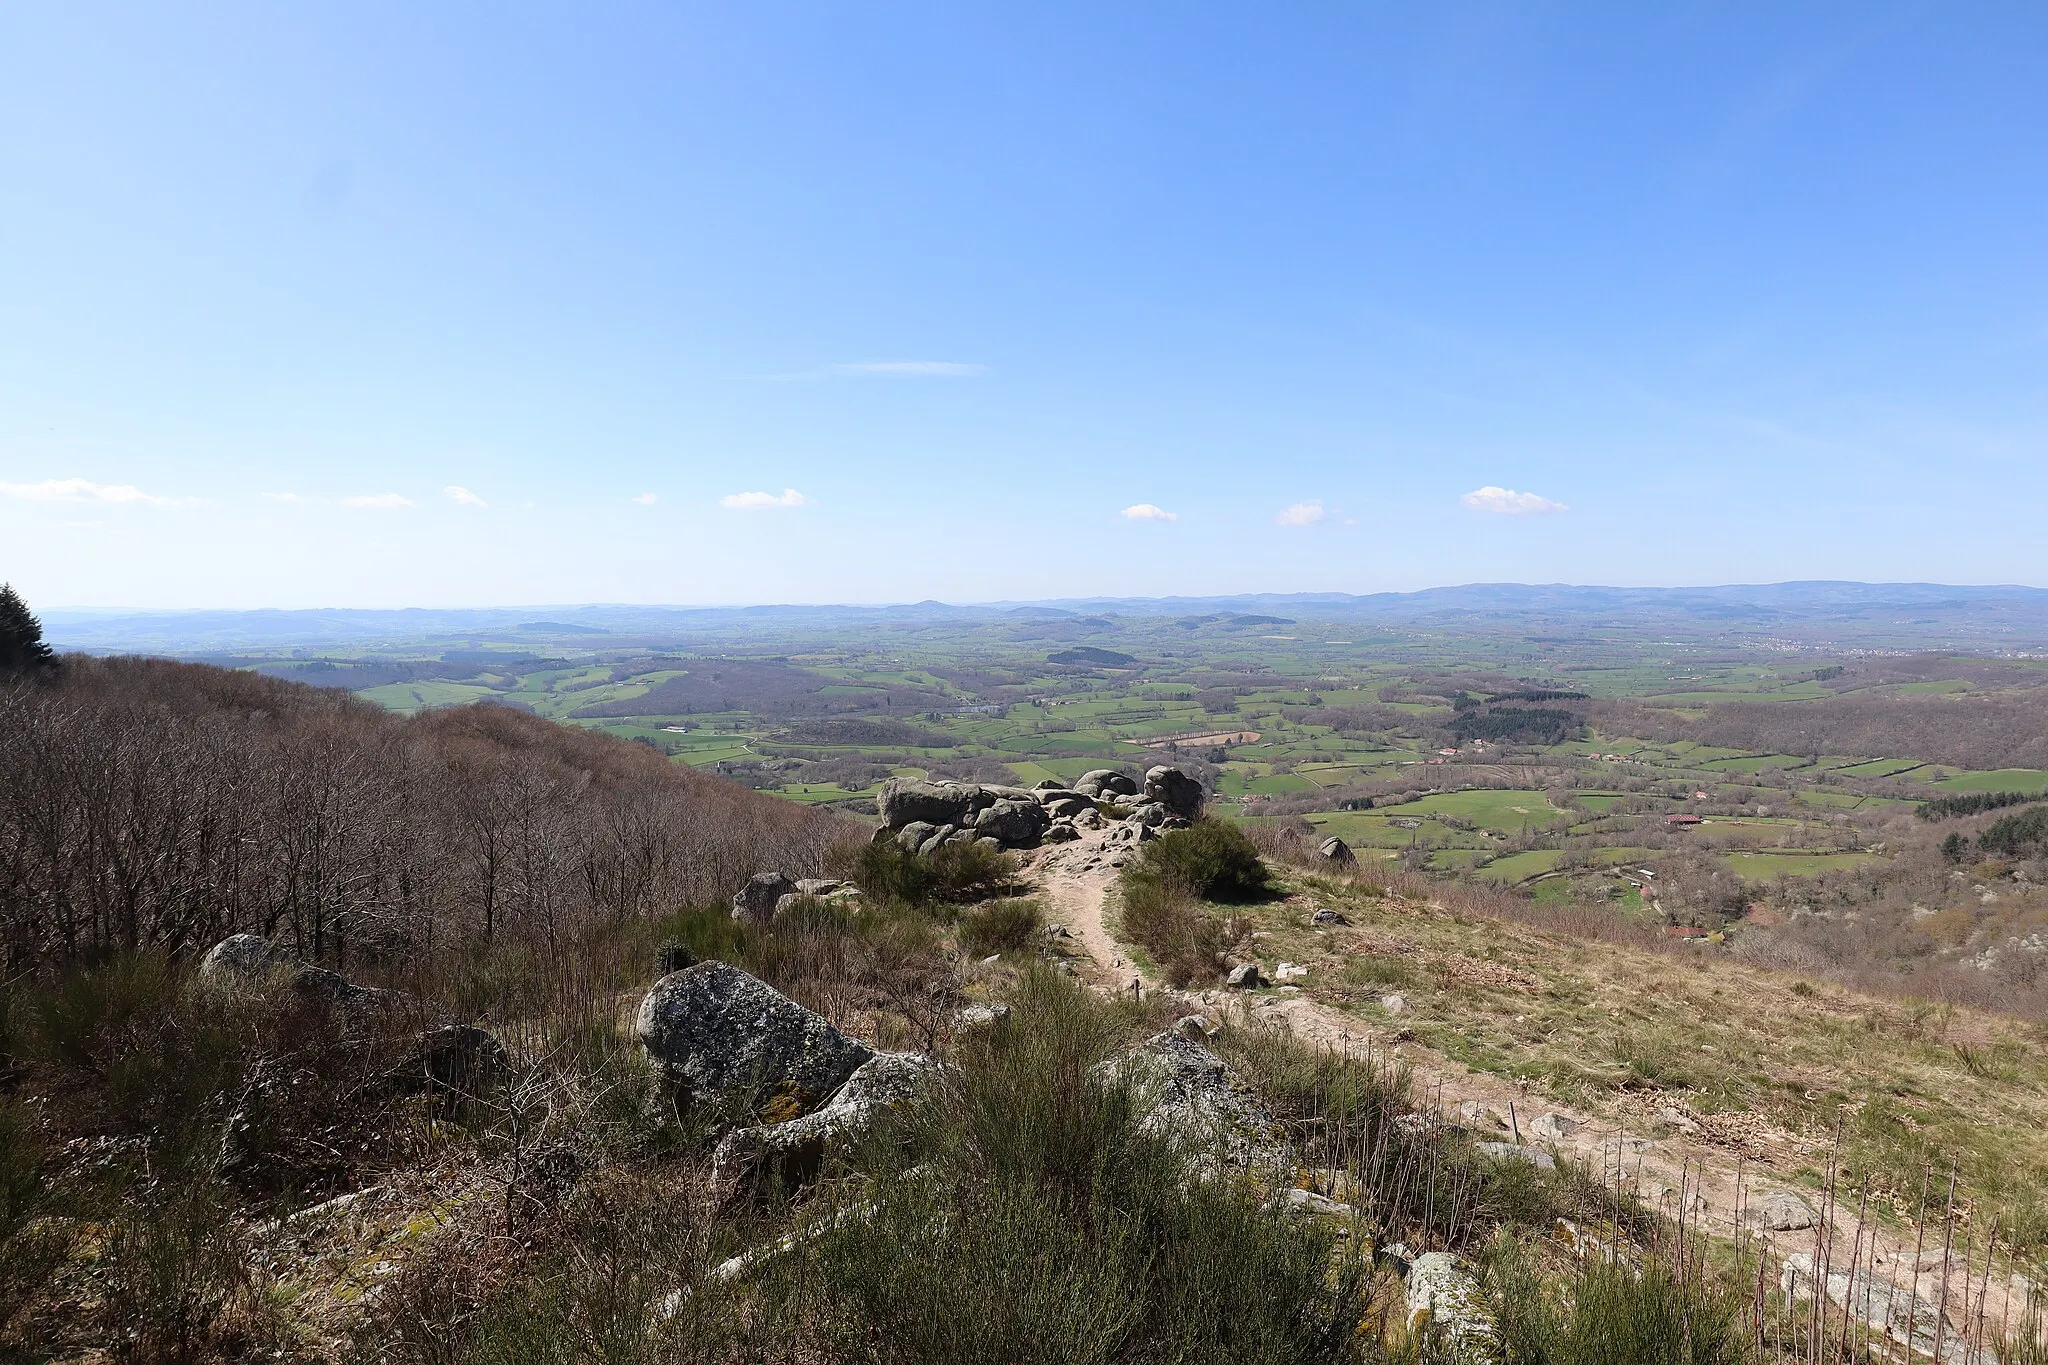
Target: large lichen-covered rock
1175 790
719 1035
1201 1106
904 801
1013 822
756 901
251 962
1445 1301
1105 783
238 960
790 1154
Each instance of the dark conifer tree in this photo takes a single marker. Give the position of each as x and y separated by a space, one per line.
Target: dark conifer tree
21 635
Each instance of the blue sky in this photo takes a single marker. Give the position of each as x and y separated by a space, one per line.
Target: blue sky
437 304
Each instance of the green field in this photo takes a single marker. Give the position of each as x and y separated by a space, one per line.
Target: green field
407 698
1768 865
2000 780
1519 867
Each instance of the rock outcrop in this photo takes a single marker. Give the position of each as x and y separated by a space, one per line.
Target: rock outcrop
1170 787
790 1154
923 817
251 962
756 901
1336 853
721 1036
1106 784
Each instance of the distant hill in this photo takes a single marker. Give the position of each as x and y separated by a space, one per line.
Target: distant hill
1089 654
1885 615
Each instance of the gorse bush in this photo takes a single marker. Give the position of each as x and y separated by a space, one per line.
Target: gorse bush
1212 860
952 874
1000 926
1611 1313
1186 941
1033 1217
1162 891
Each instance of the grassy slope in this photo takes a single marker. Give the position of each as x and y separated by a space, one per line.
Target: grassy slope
1768 1064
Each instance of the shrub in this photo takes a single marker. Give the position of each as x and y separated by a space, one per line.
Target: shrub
1611 1314
1186 941
1031 1217
1212 860
1000 926
954 873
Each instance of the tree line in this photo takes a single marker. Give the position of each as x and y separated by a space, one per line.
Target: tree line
149 804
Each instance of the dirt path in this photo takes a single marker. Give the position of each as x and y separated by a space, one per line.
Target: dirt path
1719 1183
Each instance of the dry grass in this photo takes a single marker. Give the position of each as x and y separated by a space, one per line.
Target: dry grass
1767 1064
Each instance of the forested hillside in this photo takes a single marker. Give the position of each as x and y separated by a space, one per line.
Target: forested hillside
150 804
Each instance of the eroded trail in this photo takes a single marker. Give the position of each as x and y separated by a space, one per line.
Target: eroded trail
1719 1183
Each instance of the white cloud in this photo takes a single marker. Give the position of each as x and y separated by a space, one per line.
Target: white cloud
647 500
1145 511
914 369
82 490
755 502
1507 502
379 500
463 497
1302 514
282 497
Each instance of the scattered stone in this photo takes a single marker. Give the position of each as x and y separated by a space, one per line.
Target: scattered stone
1515 1151
1678 1118
905 801
1244 977
1896 1311
1327 916
1194 1026
719 1034
1105 782
1336 852
1013 822
1203 1108
1395 1004
1287 971
1090 818
1553 1127
1781 1211
1445 1300
251 962
1059 803
1308 1201
1060 832
239 960
982 1016
455 1059
789 1155
1473 1114
822 886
